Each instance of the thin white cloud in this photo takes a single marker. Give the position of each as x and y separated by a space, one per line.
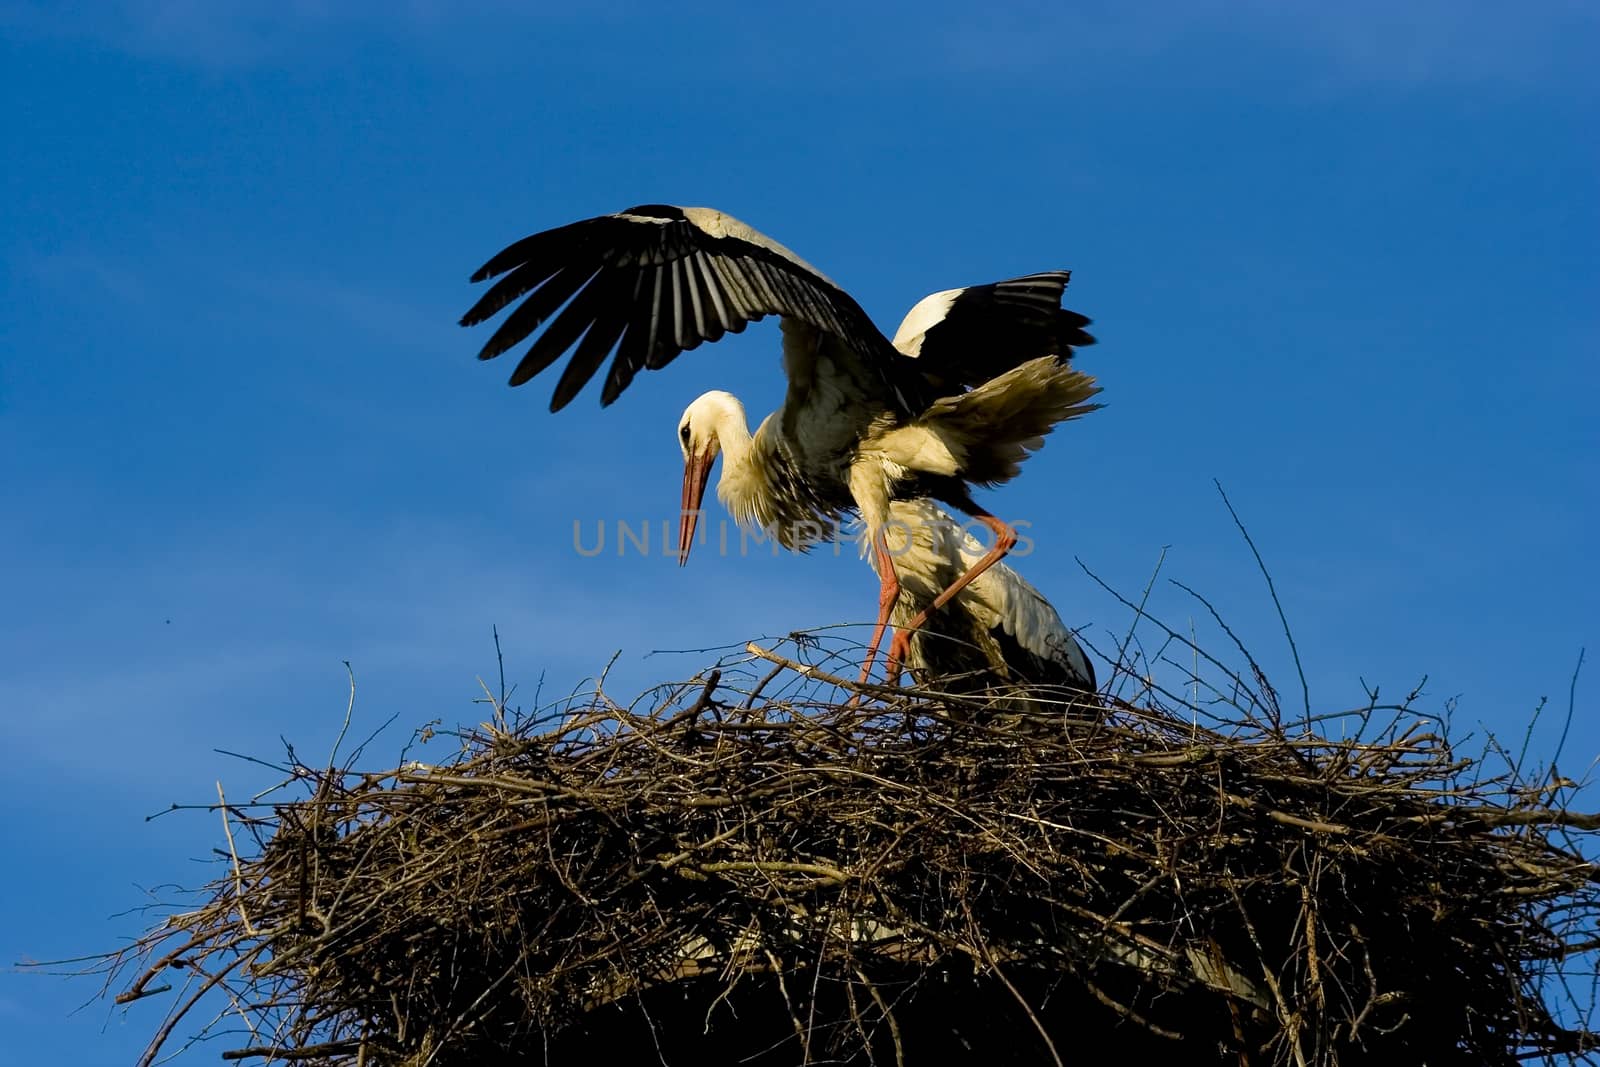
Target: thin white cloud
1362 40
233 33
140 280
366 309
1431 40
82 270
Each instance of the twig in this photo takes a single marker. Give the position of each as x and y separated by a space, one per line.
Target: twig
1294 650
1138 613
349 709
233 855
1572 703
805 670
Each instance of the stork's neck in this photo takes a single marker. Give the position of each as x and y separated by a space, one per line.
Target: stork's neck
745 488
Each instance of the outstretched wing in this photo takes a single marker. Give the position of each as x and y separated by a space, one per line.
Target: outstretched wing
963 337
654 281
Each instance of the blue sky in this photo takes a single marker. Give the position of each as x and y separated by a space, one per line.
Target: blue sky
1340 257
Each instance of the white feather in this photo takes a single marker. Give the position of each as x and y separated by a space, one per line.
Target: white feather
924 315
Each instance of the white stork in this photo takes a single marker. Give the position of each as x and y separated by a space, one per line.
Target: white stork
999 628
973 382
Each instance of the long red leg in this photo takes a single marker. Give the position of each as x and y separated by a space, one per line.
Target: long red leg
1005 537
888 593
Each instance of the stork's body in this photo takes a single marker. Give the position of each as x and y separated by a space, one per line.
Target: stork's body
974 380
999 631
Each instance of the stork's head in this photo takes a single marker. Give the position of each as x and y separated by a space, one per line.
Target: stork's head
700 438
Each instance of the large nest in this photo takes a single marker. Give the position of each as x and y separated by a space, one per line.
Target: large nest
748 871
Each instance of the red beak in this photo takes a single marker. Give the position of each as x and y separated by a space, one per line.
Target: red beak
696 472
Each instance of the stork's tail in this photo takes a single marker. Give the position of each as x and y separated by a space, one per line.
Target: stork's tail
996 426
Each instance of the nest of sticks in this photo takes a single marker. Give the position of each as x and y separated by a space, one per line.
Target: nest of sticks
744 869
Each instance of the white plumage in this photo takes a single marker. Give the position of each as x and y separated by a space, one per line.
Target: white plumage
999 630
978 378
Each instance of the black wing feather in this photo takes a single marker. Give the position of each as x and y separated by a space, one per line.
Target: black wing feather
545 301
585 361
585 310
738 296
536 247
663 347
597 344
686 332
631 349
524 279
653 281
721 319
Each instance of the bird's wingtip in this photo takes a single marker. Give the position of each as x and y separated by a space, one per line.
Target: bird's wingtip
481 311
559 400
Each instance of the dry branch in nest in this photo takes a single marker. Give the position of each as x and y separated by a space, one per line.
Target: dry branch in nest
736 877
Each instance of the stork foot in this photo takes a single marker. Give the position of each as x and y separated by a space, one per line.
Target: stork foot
899 651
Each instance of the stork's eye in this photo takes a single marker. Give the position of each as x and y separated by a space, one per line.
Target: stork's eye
683 432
